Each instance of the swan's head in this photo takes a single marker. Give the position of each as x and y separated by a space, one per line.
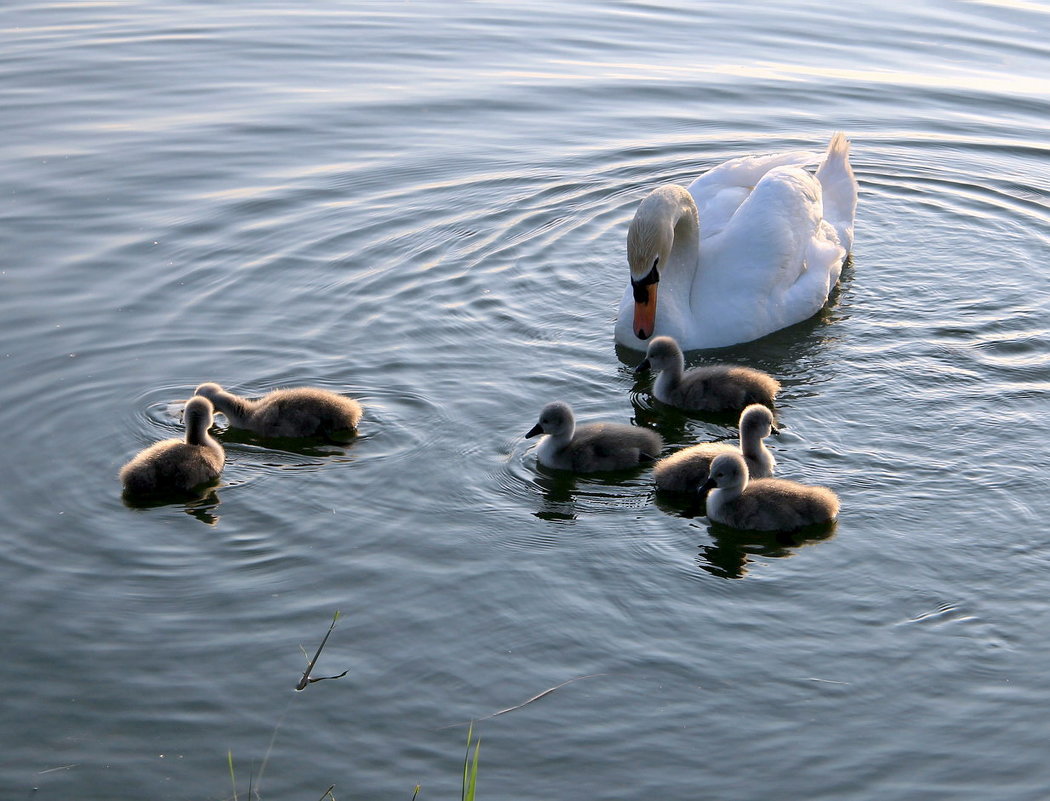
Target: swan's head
556 419
211 391
727 471
756 420
662 353
650 240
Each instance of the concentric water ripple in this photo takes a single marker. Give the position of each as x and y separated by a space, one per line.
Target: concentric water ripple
425 206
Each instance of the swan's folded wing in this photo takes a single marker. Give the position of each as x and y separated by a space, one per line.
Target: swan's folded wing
768 239
746 171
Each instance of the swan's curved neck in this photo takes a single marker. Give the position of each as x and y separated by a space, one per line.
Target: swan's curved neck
751 434
236 409
685 252
670 376
752 447
720 496
667 213
197 431
553 448
683 261
563 437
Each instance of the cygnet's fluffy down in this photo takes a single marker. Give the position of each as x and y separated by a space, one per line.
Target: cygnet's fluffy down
173 465
688 468
300 412
765 504
591 448
711 388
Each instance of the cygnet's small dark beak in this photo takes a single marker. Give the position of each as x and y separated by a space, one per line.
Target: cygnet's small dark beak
535 431
706 487
644 367
774 430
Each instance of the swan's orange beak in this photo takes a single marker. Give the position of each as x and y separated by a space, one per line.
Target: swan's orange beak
645 312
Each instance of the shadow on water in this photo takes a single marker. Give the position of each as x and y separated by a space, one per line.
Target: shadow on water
315 447
674 424
732 549
680 504
200 503
564 492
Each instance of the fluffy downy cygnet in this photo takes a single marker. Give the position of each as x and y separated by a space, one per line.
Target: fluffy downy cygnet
711 388
300 412
174 465
591 448
765 504
688 468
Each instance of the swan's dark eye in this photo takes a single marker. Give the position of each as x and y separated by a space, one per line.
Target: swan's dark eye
641 286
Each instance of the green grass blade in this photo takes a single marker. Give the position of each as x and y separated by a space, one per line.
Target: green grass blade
470 768
466 760
474 772
233 780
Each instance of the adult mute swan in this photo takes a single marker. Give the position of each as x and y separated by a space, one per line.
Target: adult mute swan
591 448
175 465
299 412
752 246
711 388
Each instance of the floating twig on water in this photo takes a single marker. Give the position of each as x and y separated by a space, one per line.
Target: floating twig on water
526 702
307 678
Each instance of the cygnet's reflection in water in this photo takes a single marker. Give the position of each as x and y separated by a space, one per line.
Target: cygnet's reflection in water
313 447
559 496
201 505
567 494
732 549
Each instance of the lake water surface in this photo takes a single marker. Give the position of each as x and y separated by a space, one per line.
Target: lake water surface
424 205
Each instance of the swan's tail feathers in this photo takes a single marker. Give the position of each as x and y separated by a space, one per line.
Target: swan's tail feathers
839 188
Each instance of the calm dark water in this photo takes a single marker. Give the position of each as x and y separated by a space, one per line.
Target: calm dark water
424 205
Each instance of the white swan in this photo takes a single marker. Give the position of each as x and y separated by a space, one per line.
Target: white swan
754 245
175 465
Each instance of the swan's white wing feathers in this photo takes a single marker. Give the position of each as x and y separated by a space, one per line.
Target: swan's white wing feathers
768 237
746 171
720 191
820 271
772 240
776 258
717 208
840 189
